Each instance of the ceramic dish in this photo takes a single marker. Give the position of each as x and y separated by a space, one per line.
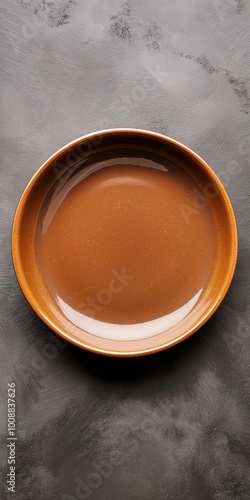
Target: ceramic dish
124 242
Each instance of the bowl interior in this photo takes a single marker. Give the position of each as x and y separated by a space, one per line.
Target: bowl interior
124 242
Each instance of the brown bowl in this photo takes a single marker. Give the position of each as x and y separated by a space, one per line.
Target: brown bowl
124 242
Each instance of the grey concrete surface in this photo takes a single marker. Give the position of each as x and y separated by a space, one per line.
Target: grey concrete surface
170 426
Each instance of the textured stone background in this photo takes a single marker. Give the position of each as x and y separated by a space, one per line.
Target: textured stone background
171 426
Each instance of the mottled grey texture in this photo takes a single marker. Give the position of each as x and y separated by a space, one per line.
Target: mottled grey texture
179 420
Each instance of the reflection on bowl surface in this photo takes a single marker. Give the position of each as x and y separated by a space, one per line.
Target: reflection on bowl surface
112 244
124 242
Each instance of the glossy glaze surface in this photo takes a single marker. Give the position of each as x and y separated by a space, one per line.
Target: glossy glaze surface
114 245
126 242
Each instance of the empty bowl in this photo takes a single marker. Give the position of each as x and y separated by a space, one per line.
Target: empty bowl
124 242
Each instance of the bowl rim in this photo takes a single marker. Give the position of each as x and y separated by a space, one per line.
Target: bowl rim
27 289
